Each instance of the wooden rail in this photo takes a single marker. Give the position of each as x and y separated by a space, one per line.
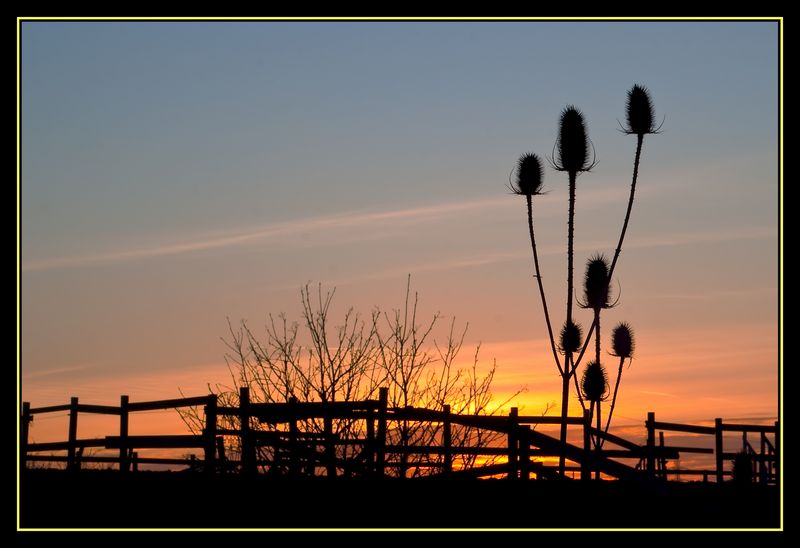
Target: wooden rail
287 445
766 462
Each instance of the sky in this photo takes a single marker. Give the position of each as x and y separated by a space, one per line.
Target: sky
175 175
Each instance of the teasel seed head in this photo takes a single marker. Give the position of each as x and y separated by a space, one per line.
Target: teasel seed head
571 338
639 112
596 285
622 342
529 176
573 143
594 383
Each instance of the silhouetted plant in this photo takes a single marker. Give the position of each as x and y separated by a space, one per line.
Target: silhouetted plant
622 346
571 338
594 382
317 360
529 183
571 154
594 385
596 293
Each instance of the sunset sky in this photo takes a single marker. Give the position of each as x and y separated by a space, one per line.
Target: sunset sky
176 174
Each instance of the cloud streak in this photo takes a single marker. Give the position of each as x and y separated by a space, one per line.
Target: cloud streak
468 261
272 231
323 224
396 218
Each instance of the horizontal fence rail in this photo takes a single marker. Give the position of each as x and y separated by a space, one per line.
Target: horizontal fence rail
371 439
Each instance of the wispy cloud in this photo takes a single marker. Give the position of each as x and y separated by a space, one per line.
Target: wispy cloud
733 293
652 393
472 260
365 221
272 231
54 372
371 222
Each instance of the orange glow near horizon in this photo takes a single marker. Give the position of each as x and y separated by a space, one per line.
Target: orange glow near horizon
645 387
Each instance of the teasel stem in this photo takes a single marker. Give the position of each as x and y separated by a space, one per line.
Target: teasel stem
597 335
598 444
570 243
569 369
572 156
578 388
541 287
622 344
639 141
614 398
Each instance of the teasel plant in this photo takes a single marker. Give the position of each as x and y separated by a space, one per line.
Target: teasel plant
529 182
594 385
574 154
597 293
596 297
640 121
622 347
570 155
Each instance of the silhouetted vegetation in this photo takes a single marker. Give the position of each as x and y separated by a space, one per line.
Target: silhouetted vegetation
572 155
319 360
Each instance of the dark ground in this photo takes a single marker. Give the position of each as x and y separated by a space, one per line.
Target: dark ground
104 499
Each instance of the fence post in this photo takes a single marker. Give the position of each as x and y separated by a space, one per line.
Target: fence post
383 397
294 450
369 444
513 457
73 433
662 461
447 440
777 463
123 434
246 438
24 429
718 448
651 443
586 469
330 448
210 434
525 453
135 460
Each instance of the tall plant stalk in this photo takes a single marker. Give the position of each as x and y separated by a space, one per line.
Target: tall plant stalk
622 344
571 155
568 371
640 121
538 277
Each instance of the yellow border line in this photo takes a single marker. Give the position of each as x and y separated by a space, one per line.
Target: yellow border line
778 20
404 19
19 258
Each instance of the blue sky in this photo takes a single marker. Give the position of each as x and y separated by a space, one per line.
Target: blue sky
174 174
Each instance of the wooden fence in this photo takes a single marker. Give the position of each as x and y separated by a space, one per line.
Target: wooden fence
289 445
765 461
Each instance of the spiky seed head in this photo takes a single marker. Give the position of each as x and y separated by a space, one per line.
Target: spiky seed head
594 382
622 343
596 285
571 338
529 176
573 142
639 112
